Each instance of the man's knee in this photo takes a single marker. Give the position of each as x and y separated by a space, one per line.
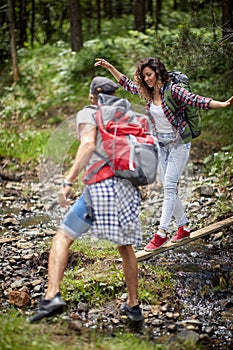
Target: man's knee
61 237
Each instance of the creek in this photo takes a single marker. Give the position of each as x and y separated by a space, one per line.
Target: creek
202 269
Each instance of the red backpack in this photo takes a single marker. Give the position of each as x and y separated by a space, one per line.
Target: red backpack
130 151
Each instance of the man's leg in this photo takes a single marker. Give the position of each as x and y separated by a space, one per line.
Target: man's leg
52 304
130 268
57 263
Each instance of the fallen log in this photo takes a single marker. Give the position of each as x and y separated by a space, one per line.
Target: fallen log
143 255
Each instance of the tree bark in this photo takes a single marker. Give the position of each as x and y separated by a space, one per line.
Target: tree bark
76 25
32 29
227 20
98 16
213 20
10 14
139 15
22 23
107 8
157 13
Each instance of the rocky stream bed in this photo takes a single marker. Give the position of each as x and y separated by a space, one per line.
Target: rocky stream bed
202 308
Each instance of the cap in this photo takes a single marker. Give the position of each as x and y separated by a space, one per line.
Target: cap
102 85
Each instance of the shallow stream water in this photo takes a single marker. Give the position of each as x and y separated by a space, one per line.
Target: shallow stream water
203 271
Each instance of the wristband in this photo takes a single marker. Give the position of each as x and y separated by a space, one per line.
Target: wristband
67 183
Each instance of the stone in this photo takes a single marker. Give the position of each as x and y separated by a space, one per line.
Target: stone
19 299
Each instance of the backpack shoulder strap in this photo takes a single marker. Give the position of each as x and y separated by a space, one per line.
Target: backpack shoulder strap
167 92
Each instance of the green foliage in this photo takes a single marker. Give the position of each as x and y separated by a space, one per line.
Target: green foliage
106 281
54 82
218 167
99 250
94 287
220 164
16 334
154 282
23 145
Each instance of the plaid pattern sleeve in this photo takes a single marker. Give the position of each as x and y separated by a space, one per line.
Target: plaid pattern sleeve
187 98
129 85
182 98
116 207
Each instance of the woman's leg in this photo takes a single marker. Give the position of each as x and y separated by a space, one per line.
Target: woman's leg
173 162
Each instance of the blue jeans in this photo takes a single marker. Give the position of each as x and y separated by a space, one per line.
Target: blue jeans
173 159
77 220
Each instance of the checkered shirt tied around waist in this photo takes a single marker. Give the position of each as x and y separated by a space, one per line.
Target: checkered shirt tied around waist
116 208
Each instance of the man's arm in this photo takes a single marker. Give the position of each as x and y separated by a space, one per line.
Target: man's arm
85 150
82 158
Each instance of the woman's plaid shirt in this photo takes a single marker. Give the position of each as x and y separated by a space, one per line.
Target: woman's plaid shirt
180 95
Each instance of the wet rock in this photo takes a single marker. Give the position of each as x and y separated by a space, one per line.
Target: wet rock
19 299
10 222
17 283
207 190
164 308
147 308
172 327
169 314
187 335
37 289
76 325
209 330
83 307
157 322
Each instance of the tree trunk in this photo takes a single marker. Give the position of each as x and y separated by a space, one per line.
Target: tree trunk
139 15
32 29
150 8
76 25
150 12
227 19
157 13
107 8
22 23
213 19
98 16
47 23
13 40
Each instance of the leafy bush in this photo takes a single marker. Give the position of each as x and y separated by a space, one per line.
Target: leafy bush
23 145
218 168
54 82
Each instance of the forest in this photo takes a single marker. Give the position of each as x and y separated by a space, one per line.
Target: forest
47 55
194 37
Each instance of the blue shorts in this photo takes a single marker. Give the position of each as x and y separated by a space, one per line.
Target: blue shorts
77 220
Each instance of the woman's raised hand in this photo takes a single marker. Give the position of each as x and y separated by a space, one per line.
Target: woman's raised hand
102 62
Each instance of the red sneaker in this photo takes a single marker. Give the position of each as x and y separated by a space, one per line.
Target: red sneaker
155 243
181 234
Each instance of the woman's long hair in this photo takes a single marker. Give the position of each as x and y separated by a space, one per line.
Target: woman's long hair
161 74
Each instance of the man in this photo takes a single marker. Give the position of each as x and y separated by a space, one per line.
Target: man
114 215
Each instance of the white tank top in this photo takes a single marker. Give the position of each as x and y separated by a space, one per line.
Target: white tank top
161 122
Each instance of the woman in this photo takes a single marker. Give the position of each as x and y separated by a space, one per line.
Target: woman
150 78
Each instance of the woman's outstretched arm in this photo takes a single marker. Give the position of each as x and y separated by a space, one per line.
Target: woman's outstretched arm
105 64
219 104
